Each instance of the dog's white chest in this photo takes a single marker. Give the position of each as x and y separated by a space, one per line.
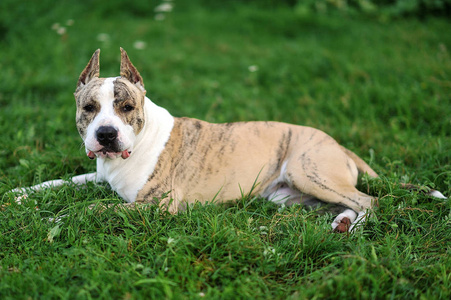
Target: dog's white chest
128 176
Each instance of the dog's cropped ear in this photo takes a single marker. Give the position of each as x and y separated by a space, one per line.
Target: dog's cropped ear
91 71
129 72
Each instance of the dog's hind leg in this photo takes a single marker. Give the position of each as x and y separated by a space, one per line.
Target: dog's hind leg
330 175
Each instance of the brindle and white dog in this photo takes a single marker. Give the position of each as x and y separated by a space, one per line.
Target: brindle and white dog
144 153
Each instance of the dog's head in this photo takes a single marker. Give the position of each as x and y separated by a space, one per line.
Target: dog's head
110 111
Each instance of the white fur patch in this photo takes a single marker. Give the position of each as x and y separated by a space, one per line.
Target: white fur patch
361 217
128 176
23 192
437 194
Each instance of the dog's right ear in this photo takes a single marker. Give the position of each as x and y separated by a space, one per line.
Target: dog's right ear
129 71
91 71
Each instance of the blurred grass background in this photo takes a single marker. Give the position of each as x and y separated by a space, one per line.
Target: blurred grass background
375 75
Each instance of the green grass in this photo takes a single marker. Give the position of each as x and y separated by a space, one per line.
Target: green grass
381 89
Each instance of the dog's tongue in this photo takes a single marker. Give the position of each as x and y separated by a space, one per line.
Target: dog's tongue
125 154
91 155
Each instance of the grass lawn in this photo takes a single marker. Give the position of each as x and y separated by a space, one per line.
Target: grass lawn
382 89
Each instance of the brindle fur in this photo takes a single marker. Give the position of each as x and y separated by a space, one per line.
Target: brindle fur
84 97
125 95
204 161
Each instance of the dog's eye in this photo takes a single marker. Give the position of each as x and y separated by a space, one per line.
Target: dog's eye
127 108
89 108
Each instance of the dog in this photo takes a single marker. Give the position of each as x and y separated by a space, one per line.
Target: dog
145 153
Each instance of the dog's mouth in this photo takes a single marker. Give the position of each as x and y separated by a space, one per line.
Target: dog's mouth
106 153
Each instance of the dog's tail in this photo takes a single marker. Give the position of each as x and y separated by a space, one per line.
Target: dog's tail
363 167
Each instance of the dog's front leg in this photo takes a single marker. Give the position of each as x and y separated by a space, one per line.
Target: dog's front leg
79 180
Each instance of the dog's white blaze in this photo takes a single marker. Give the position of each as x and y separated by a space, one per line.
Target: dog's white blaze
128 176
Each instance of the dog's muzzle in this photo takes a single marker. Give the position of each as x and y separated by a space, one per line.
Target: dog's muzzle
107 136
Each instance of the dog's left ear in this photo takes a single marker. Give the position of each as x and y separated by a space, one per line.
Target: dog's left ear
129 71
91 70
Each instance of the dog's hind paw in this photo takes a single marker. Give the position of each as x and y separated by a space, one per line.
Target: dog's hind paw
343 221
343 226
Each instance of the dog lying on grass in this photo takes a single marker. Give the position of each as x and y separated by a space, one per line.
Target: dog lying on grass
144 153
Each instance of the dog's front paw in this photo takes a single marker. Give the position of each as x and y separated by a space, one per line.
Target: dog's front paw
19 195
20 198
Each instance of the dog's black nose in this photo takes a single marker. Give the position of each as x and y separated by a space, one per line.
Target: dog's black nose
106 135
